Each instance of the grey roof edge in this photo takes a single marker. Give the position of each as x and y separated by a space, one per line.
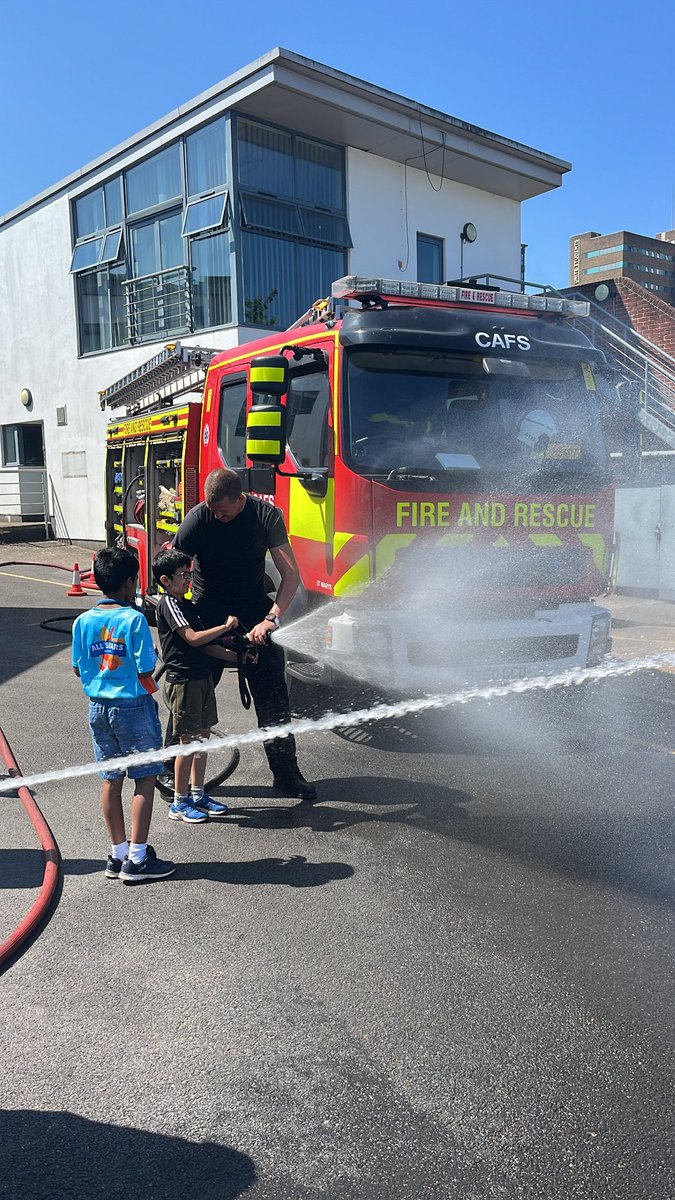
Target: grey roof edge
304 65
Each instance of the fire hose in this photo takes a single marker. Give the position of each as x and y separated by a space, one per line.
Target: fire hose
52 873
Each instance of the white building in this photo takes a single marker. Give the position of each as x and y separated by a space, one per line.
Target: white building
228 217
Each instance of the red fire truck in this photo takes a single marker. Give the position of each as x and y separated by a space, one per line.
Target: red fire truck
438 454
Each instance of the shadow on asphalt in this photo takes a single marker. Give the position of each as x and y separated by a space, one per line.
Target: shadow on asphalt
60 1156
26 643
294 871
608 849
21 868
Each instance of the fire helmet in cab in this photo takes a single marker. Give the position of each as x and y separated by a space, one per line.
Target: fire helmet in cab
535 430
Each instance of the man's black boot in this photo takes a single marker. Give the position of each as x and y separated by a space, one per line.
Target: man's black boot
295 784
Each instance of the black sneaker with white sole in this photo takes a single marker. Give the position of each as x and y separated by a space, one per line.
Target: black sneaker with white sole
152 867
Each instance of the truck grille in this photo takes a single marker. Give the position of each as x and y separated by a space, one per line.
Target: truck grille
480 653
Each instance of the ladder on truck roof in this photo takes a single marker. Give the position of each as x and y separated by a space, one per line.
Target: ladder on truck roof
174 371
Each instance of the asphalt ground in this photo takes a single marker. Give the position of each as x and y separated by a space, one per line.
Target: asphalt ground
451 977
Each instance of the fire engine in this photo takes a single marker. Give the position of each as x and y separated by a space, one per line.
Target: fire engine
439 457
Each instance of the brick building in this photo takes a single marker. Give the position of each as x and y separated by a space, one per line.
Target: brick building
648 261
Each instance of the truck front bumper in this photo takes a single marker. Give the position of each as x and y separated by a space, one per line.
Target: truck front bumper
398 654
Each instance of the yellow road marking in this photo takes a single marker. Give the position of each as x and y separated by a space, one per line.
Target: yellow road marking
633 741
34 578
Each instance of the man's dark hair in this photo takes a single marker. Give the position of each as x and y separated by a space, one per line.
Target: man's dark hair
168 562
112 568
222 484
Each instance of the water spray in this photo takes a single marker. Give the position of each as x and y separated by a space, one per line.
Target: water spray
377 712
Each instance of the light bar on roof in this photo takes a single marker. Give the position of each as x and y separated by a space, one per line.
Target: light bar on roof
363 287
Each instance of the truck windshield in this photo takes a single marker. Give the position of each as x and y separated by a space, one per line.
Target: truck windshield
448 418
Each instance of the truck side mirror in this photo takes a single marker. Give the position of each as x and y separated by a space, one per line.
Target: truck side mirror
266 433
266 419
268 375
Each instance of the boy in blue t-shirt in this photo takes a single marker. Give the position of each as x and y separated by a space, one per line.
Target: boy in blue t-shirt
114 656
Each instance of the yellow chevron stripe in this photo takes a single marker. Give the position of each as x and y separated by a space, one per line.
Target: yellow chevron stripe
597 546
355 580
311 516
387 549
545 539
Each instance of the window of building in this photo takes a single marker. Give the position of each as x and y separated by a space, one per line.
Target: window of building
204 214
23 445
308 400
294 227
211 281
206 158
232 431
265 158
101 309
606 250
611 266
153 247
158 180
282 278
429 259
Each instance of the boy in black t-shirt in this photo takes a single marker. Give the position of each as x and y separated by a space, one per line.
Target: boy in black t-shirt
188 691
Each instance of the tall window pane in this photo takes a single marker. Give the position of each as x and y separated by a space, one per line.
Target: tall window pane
211 270
207 158
319 174
118 308
89 214
316 268
429 259
171 250
113 201
265 158
269 281
92 302
155 181
157 245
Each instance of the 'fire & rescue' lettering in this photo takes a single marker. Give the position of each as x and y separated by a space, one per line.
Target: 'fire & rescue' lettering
494 514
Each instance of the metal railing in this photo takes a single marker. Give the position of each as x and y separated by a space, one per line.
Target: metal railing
639 360
158 305
24 497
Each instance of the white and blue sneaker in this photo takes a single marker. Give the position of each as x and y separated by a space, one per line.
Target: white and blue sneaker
152 867
205 804
184 810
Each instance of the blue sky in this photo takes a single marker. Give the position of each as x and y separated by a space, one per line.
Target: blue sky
580 80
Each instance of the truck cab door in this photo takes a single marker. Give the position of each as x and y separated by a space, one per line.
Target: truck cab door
311 510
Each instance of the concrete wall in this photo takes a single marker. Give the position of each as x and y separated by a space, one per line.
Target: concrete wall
645 520
384 221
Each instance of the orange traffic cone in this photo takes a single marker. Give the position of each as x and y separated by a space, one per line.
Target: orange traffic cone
87 577
76 587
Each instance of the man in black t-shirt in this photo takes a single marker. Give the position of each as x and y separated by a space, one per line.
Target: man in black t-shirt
228 537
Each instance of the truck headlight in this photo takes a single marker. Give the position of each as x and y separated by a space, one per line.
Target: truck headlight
600 643
372 641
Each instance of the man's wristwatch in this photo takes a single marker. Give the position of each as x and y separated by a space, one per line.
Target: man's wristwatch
273 618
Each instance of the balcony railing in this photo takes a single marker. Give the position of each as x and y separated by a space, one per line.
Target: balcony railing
24 497
158 305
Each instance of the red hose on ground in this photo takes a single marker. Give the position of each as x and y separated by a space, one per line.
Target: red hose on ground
52 858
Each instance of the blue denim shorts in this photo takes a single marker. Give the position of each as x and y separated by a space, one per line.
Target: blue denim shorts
121 727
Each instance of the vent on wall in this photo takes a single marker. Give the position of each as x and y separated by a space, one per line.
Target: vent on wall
62 416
